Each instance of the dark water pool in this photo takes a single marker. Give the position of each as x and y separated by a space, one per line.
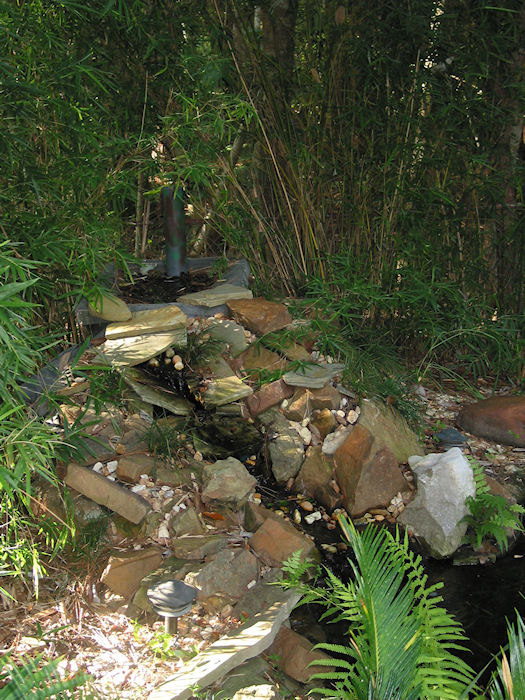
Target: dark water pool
482 598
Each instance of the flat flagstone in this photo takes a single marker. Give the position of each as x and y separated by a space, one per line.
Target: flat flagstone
109 307
152 394
225 387
228 332
167 318
247 641
313 376
215 296
125 570
225 390
127 352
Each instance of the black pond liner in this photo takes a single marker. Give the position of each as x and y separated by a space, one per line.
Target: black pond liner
52 376
237 273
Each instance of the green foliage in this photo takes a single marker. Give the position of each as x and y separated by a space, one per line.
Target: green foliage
509 683
165 439
202 348
402 642
490 514
38 679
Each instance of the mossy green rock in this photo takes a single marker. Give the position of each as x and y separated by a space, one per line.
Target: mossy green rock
108 307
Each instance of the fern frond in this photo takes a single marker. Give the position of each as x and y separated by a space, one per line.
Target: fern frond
37 680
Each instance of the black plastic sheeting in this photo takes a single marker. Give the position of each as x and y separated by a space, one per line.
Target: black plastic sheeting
54 375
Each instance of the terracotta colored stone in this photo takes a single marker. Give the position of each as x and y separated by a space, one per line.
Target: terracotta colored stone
130 467
315 477
300 405
107 493
125 570
501 418
498 489
259 315
296 655
349 459
270 395
379 482
327 397
255 514
276 540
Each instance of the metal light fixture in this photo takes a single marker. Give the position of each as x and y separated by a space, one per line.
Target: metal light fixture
171 599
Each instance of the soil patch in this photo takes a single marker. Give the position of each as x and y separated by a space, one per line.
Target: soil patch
156 288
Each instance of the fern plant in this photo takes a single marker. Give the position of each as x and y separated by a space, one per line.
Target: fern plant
37 680
402 642
491 515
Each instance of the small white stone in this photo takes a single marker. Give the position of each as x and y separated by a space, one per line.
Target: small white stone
163 532
352 416
112 466
138 488
312 517
251 584
98 467
306 435
111 478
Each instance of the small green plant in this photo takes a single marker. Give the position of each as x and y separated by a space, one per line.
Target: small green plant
38 680
219 267
165 439
201 348
491 515
508 683
161 643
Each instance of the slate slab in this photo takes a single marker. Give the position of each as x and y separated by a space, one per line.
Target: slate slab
215 296
313 376
249 640
127 352
166 318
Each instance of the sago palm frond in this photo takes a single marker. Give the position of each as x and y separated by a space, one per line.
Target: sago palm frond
401 640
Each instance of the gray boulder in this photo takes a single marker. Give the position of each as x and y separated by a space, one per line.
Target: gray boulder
444 481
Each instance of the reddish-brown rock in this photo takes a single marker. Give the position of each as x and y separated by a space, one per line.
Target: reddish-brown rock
379 482
501 418
107 493
300 405
315 479
259 315
296 655
270 395
130 467
327 397
276 540
349 459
